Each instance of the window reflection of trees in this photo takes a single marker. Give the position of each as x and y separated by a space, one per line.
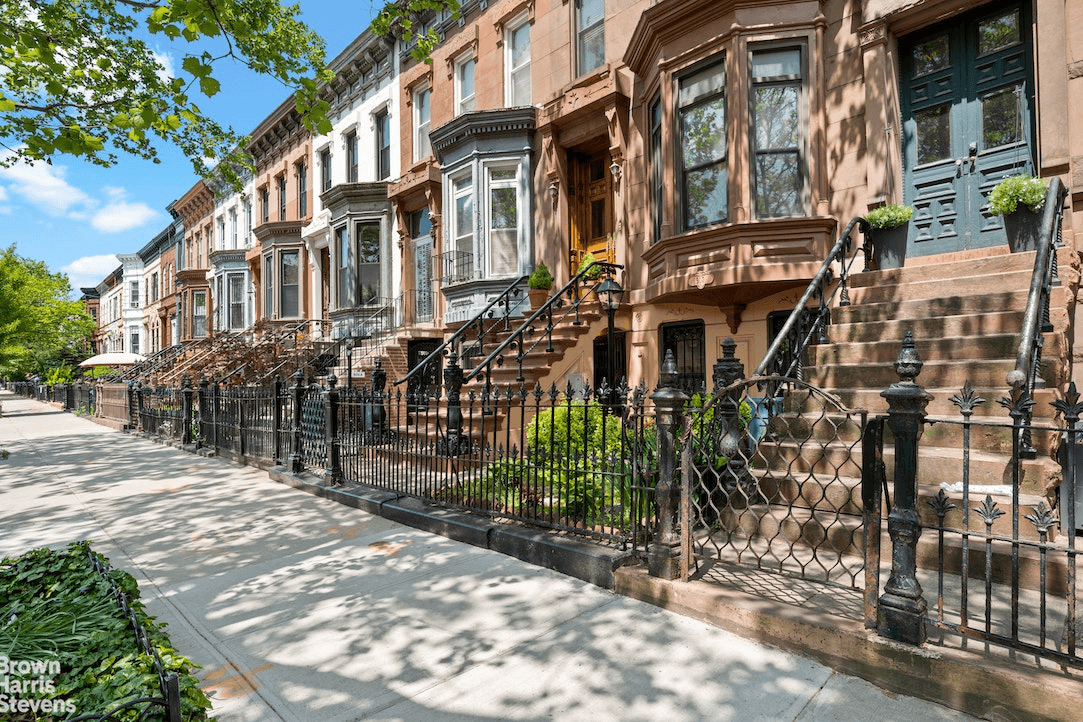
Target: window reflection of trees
778 176
703 145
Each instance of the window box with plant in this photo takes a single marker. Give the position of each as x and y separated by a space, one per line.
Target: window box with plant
539 284
1019 198
888 226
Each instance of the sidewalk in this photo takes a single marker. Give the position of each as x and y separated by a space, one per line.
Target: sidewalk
299 608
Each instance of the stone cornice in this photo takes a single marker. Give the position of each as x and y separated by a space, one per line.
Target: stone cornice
274 230
342 193
482 124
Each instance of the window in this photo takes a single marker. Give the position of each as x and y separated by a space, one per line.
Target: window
686 340
233 228
657 187
590 34
236 301
247 206
265 203
342 251
325 169
219 305
383 145
221 233
464 85
302 190
134 291
503 222
133 343
368 262
421 233
517 63
268 286
290 285
776 103
154 287
422 149
460 262
199 314
351 157
701 112
281 180
199 250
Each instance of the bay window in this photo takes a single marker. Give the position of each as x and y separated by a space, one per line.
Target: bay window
776 106
368 262
701 112
289 287
236 301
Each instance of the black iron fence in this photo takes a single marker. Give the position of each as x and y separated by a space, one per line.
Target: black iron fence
77 397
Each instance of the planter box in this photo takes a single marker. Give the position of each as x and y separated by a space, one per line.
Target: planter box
889 247
537 297
1024 229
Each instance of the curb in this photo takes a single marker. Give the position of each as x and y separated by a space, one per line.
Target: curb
975 683
587 562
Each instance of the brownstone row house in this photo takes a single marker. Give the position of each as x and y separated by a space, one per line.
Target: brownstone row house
715 151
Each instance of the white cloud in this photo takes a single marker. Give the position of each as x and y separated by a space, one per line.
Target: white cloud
44 186
121 216
90 270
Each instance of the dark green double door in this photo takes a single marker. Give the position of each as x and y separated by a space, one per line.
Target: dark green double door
967 100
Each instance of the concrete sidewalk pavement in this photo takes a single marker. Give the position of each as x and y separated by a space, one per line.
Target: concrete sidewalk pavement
299 608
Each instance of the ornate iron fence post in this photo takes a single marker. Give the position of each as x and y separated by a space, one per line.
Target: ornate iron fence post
297 396
139 406
214 414
186 410
902 607
379 414
663 553
133 411
276 419
333 471
727 371
453 382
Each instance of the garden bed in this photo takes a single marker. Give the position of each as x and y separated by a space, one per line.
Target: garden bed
75 643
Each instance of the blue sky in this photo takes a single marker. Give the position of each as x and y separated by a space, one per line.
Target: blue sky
76 216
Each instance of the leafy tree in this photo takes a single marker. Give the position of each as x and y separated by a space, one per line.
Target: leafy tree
39 326
78 80
405 20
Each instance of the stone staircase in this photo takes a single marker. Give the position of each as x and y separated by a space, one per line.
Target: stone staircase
966 318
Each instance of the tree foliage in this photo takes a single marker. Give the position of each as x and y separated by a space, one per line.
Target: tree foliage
405 20
79 80
39 326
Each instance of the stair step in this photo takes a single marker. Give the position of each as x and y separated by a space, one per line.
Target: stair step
951 270
953 305
962 285
935 372
979 324
987 346
940 404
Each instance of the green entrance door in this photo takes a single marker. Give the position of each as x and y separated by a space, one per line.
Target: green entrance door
967 99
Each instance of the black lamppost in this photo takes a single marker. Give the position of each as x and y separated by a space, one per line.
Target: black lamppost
610 294
349 363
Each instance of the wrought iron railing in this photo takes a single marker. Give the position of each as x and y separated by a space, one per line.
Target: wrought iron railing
806 327
495 317
564 306
1036 321
455 267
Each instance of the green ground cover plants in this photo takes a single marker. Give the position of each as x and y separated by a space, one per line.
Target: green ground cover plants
58 618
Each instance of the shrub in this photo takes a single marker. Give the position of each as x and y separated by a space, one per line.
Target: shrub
1015 190
541 278
590 265
889 216
57 375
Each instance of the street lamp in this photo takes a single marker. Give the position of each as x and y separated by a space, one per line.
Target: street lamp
610 294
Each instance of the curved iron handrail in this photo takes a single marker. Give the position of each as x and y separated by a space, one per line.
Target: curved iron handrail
570 289
816 288
478 318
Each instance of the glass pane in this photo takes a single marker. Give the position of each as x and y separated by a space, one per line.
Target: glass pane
998 32
934 133
370 281
597 219
785 62
1001 118
520 87
420 224
591 49
705 195
368 243
930 56
708 81
464 215
776 117
502 174
466 85
289 269
520 45
703 133
597 169
590 12
504 259
502 211
778 185
343 247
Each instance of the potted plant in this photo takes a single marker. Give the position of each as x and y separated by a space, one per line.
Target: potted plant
539 283
589 264
888 230
1018 199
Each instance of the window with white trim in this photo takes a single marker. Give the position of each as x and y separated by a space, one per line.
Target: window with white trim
464 84
233 228
383 144
517 62
368 262
342 274
459 264
325 169
351 157
199 314
302 189
289 286
422 149
236 301
503 220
